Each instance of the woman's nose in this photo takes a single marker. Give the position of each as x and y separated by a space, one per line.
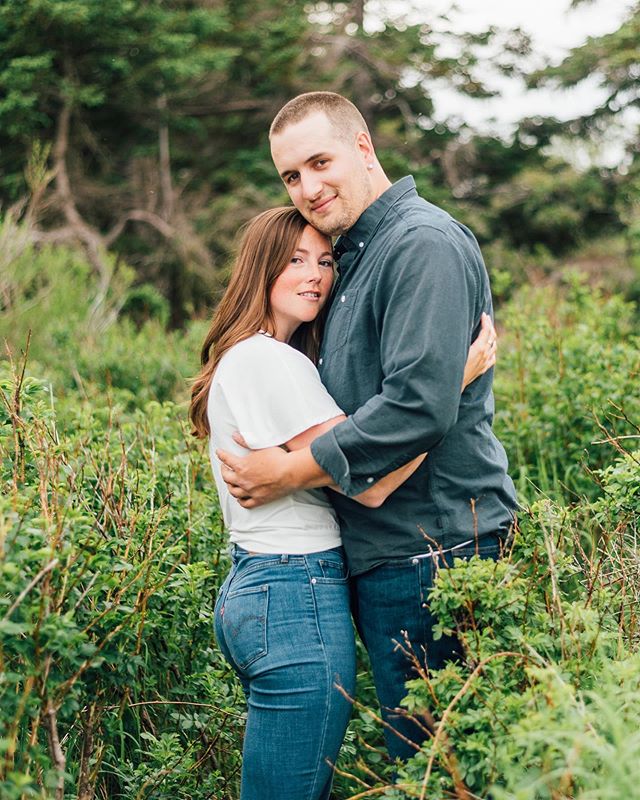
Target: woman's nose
313 273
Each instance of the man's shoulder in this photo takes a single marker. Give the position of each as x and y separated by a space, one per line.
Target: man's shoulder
421 224
425 219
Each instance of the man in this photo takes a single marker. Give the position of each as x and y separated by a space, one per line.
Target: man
411 290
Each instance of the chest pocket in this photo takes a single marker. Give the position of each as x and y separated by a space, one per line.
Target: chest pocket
338 325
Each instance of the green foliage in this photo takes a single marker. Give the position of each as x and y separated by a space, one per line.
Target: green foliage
544 704
112 549
49 294
612 59
110 553
155 137
554 205
569 364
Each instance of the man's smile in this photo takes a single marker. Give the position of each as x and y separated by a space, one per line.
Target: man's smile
324 204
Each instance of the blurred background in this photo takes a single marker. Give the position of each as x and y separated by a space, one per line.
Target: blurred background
136 132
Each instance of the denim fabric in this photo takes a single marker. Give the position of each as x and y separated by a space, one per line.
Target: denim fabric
283 623
393 598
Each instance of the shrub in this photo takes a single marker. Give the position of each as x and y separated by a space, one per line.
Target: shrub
111 551
545 702
569 362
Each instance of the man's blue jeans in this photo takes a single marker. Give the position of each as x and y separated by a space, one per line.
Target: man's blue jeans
392 599
283 623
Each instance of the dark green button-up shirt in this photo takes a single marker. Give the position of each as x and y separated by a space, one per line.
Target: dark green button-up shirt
411 289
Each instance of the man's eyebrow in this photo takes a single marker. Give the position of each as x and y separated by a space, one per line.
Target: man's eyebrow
291 171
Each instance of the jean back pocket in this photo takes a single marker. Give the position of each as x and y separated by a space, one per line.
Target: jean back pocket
243 620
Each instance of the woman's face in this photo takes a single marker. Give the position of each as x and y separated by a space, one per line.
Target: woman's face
302 288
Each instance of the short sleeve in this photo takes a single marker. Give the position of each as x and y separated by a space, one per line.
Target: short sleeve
273 391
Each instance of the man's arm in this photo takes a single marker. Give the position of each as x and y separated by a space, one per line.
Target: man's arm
276 477
266 475
428 297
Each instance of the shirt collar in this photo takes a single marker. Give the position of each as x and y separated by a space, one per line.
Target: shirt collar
366 224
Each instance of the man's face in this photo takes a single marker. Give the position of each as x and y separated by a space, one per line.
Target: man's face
326 176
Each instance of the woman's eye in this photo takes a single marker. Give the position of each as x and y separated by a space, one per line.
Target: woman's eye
327 263
296 260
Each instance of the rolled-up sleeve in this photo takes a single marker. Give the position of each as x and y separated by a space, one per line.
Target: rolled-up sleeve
426 303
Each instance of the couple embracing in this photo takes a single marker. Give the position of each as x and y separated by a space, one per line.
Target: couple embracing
346 393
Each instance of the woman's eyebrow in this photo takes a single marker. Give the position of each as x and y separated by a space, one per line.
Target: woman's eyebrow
306 252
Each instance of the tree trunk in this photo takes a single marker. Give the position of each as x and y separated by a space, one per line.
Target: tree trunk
358 12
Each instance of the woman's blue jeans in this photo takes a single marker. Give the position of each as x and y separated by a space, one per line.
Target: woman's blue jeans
283 623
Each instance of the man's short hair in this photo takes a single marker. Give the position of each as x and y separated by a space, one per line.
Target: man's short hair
343 115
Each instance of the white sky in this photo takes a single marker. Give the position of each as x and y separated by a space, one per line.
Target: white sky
554 29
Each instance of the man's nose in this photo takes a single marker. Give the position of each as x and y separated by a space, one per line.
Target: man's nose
311 186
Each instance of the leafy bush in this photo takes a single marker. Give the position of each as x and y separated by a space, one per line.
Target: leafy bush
545 703
84 341
111 551
569 363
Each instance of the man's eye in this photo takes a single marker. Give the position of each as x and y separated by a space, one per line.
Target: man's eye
321 162
292 178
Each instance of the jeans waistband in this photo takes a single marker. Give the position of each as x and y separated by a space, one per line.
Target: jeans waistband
237 553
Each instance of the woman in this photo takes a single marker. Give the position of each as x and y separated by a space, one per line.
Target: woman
282 615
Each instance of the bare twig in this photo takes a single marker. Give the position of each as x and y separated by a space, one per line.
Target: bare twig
55 749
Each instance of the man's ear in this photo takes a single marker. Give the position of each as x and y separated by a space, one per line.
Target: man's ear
364 146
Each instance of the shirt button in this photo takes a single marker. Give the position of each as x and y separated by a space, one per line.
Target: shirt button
343 298
414 561
320 360
313 580
369 480
360 244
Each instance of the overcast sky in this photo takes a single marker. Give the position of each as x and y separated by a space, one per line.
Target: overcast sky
554 28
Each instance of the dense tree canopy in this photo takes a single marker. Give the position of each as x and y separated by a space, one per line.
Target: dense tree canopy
139 128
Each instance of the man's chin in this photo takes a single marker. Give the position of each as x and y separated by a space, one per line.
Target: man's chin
330 227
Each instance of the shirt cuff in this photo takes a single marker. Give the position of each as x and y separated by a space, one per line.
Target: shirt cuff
330 456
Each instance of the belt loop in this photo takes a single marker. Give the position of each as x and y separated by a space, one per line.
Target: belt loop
284 558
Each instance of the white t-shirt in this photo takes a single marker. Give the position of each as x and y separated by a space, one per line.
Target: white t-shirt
270 392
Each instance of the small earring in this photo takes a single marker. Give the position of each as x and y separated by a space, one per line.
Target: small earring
369 166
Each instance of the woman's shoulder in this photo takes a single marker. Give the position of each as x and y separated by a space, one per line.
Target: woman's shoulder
261 349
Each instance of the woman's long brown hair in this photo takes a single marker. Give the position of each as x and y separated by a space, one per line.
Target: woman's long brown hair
268 242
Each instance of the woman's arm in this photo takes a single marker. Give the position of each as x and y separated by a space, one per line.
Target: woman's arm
482 353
